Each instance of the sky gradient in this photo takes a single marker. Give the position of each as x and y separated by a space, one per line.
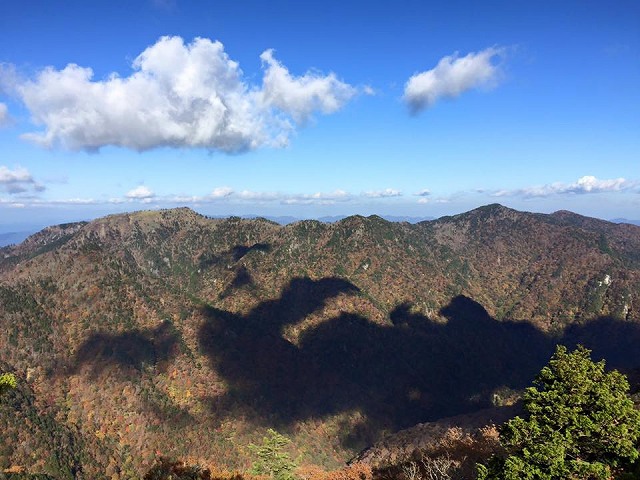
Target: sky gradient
316 108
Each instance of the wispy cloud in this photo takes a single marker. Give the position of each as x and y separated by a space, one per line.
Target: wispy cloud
452 76
4 115
387 192
69 201
167 5
318 198
423 193
584 185
18 180
223 195
434 200
179 95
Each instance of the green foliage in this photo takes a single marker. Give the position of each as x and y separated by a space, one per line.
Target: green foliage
272 460
7 381
581 425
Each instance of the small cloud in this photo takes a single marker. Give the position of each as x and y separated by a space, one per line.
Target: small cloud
221 192
386 193
141 193
18 180
423 193
584 185
368 90
423 200
451 77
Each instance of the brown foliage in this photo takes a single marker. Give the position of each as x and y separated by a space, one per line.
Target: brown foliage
454 455
355 471
168 469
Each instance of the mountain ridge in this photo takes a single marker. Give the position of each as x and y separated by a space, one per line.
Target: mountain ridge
156 328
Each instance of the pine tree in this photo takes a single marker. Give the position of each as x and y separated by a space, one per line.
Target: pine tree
581 424
272 460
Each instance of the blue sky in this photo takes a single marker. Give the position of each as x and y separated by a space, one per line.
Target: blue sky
318 108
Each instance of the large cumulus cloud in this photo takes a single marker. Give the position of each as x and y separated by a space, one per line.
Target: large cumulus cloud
179 95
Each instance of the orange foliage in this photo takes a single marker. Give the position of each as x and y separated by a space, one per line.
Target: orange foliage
14 469
355 471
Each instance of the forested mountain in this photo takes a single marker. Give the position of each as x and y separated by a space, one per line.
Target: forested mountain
167 332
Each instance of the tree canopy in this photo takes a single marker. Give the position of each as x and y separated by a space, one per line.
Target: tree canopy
581 424
272 459
7 381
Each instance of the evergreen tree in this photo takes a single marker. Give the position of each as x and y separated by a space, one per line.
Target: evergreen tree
272 460
581 425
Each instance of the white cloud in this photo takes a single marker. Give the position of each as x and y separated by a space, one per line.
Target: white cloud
70 201
4 115
451 77
299 97
179 95
387 192
258 196
584 185
318 198
436 200
226 194
221 192
590 184
141 193
18 180
423 193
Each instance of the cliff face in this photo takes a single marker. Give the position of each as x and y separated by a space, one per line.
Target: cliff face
168 332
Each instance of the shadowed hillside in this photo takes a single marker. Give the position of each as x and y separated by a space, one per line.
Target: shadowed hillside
412 370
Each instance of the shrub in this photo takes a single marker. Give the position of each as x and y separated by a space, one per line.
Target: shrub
7 382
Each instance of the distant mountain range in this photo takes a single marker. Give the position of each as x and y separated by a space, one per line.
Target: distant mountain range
168 332
285 220
11 238
626 220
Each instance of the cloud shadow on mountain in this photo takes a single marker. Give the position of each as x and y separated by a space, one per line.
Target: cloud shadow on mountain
129 350
233 255
412 370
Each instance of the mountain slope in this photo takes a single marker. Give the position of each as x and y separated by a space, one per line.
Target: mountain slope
170 332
